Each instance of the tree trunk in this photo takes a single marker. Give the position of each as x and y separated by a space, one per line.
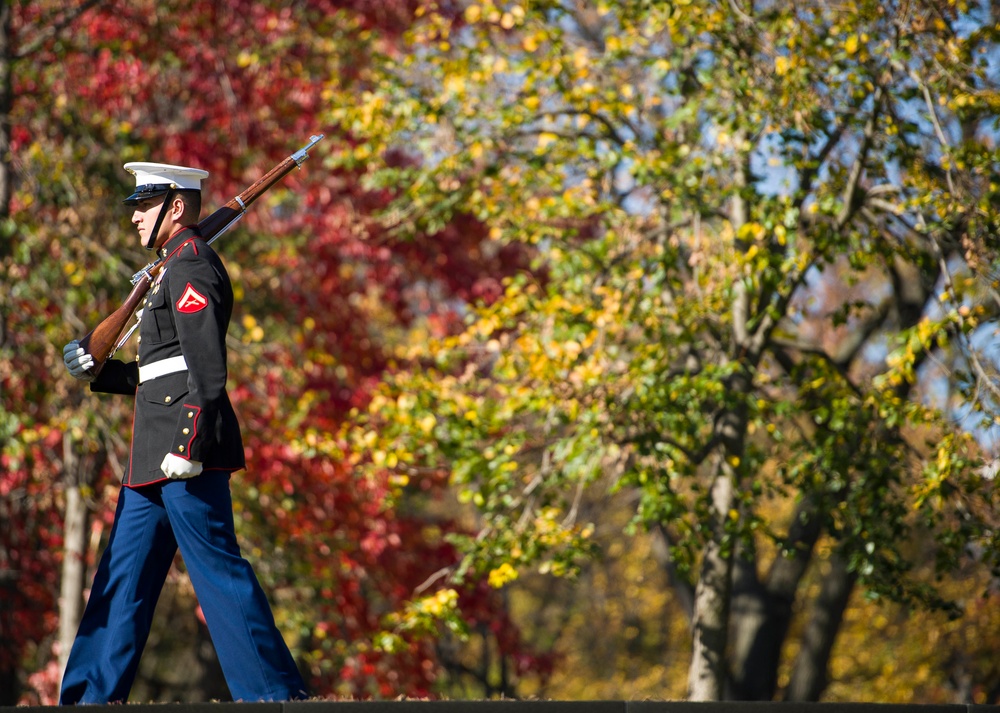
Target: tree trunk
810 672
762 612
707 677
754 650
6 104
707 674
9 682
80 474
10 685
74 570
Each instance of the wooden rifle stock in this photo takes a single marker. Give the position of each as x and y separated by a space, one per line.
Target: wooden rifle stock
106 337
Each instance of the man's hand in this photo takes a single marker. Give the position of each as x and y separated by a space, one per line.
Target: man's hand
78 361
177 468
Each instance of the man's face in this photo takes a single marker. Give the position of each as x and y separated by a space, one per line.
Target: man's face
144 218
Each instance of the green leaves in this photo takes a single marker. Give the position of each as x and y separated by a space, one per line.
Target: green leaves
754 259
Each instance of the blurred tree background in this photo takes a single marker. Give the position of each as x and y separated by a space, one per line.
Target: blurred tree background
601 350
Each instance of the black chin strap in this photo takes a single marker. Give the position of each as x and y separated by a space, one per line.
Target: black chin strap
167 200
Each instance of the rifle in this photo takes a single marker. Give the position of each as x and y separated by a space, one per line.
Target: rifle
106 338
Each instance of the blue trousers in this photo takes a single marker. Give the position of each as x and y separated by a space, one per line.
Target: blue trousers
151 523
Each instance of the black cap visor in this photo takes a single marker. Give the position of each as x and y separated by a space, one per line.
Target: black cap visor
150 190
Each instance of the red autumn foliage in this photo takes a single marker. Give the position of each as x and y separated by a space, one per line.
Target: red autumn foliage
233 88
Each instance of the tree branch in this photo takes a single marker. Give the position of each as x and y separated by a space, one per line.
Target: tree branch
850 204
51 28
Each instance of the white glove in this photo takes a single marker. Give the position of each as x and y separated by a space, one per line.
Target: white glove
177 468
78 361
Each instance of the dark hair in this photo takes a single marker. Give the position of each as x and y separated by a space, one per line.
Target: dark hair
192 201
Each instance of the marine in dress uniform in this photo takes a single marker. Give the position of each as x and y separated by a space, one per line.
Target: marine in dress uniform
186 443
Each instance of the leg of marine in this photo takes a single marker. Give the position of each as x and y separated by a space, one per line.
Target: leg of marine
105 656
254 657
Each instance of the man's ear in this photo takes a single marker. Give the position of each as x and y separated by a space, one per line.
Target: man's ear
177 207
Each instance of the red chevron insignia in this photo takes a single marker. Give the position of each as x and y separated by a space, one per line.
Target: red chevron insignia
191 301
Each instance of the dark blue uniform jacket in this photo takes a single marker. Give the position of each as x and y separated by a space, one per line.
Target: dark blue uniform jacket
186 313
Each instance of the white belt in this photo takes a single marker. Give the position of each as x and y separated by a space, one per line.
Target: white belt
162 368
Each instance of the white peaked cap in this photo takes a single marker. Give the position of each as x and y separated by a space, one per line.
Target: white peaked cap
182 177
153 179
